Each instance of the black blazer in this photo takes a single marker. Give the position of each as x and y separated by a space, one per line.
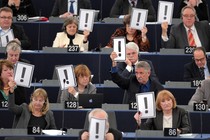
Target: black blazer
125 73
116 133
20 34
202 10
60 6
191 71
132 86
26 7
122 7
180 120
178 36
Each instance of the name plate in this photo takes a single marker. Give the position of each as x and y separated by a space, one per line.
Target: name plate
170 132
199 107
189 49
71 105
196 83
4 104
74 48
133 106
22 17
35 130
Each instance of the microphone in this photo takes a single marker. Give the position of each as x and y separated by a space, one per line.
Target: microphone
99 69
64 130
101 13
39 32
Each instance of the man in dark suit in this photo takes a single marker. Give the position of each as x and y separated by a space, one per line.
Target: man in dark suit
61 7
6 16
124 7
193 70
179 34
138 83
126 69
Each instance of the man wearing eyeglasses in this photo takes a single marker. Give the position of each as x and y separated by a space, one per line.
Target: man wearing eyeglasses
6 24
188 33
199 68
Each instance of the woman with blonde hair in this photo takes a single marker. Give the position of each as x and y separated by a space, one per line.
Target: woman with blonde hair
168 115
37 113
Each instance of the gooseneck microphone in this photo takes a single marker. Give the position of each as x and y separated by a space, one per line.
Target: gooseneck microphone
64 130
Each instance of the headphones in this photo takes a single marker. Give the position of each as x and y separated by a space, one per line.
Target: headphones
13 45
189 7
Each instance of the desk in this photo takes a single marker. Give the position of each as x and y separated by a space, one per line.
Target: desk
101 34
167 67
125 122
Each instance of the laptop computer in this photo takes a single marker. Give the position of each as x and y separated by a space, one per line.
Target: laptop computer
91 100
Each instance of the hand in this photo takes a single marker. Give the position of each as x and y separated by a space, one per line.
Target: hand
85 135
137 117
113 55
164 27
144 31
12 84
86 33
14 2
179 131
66 15
109 136
128 62
72 91
62 46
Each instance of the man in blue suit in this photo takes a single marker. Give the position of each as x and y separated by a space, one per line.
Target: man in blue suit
179 33
61 8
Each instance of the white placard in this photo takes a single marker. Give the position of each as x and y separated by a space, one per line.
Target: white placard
23 74
86 19
165 11
6 37
66 76
119 48
146 104
138 18
97 129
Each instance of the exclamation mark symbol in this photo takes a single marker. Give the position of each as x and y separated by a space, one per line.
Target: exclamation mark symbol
138 19
86 19
119 48
165 13
7 38
146 104
65 73
97 130
23 74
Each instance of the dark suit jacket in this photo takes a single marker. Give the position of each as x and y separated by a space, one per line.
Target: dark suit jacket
180 120
20 34
60 6
122 7
125 73
116 133
26 7
191 71
178 36
202 10
132 86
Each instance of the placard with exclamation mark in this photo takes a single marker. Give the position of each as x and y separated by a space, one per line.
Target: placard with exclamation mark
119 47
23 74
165 12
86 19
97 129
146 104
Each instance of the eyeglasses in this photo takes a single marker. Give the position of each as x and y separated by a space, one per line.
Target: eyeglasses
188 16
201 59
132 53
9 18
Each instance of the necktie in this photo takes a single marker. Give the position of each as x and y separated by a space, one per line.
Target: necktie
201 70
133 70
191 39
71 9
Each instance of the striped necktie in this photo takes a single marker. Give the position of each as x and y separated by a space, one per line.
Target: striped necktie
191 39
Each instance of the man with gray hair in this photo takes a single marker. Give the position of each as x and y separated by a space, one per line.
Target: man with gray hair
138 83
111 134
126 68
